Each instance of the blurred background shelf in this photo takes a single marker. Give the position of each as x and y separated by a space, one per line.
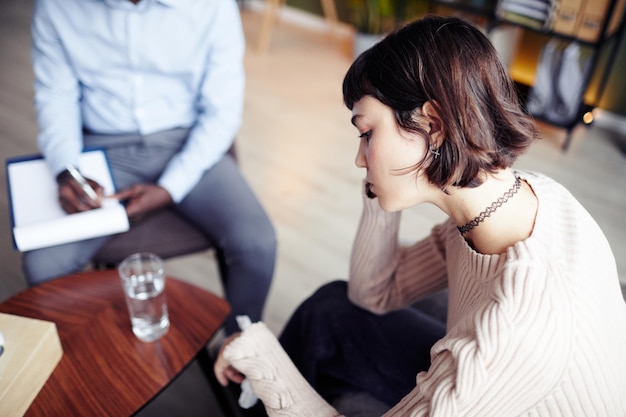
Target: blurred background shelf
596 25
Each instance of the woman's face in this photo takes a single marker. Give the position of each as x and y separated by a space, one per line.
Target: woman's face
389 155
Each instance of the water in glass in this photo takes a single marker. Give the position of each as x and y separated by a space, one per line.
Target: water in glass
143 278
147 307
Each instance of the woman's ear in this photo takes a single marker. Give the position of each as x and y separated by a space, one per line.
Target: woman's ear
435 125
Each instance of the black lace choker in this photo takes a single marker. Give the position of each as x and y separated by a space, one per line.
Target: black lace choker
492 208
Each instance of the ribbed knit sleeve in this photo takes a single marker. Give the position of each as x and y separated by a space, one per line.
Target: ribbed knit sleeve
273 376
385 276
510 348
538 331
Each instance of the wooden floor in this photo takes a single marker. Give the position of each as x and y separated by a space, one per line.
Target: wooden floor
297 149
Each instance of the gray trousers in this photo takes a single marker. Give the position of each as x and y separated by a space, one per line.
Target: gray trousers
222 205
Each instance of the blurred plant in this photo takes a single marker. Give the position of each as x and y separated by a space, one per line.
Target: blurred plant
381 16
372 16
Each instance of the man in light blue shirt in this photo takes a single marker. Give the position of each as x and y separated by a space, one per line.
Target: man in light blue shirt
160 85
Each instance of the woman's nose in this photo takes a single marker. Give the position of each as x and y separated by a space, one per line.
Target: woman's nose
361 161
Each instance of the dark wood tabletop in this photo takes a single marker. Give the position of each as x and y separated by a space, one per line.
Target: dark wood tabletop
105 370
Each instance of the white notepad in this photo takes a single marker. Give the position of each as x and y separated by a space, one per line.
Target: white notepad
39 220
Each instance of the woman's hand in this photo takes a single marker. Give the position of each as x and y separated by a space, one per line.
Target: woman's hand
272 375
224 371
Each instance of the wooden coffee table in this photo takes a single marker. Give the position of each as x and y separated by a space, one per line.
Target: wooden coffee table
105 370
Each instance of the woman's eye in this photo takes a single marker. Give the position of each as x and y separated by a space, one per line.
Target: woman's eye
367 135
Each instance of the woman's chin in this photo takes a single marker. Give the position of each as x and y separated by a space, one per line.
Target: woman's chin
392 205
387 205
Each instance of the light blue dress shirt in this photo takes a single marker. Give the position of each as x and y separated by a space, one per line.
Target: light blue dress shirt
111 66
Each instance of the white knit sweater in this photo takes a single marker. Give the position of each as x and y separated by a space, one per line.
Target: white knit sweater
537 331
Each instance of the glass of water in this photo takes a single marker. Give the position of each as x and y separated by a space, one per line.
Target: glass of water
143 279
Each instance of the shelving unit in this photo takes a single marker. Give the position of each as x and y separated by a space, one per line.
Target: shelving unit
487 12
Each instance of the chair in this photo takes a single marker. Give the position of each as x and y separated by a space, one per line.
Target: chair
164 233
271 13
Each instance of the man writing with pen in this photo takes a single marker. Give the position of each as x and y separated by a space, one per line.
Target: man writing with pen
159 84
77 193
72 193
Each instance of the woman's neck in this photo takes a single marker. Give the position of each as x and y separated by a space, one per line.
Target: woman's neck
506 223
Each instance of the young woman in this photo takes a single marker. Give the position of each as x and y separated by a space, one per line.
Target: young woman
536 320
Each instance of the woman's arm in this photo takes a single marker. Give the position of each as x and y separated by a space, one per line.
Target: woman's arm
385 276
505 357
274 378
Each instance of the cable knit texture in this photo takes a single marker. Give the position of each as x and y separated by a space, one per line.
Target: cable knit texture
537 331
273 376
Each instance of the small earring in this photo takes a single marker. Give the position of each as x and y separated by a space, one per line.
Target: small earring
433 150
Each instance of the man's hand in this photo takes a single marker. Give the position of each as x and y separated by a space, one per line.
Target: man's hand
141 199
73 198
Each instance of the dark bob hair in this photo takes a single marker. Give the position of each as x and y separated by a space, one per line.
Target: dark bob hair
452 64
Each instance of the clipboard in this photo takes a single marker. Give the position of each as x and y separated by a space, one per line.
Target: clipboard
37 218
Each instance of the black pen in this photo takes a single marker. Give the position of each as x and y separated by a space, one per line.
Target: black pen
83 182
